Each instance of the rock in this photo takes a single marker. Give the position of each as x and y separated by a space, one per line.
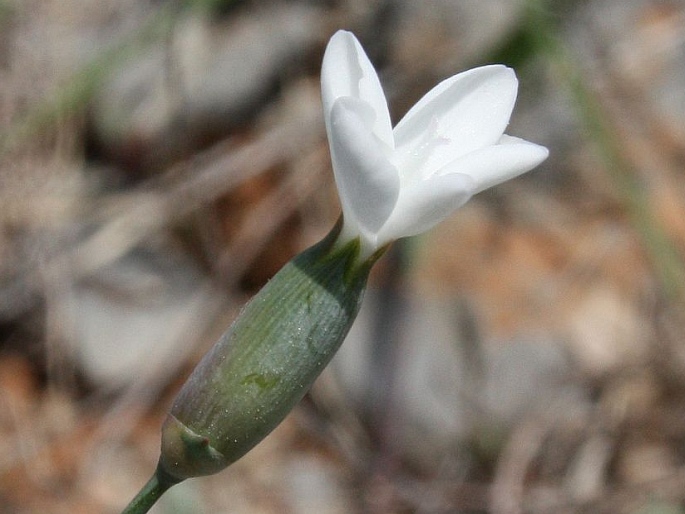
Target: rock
138 315
446 384
210 78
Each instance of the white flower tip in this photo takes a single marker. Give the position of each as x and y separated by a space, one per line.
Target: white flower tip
348 72
501 162
340 35
542 154
348 104
498 69
538 154
340 45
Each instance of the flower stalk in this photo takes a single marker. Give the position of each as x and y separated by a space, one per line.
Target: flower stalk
148 495
393 183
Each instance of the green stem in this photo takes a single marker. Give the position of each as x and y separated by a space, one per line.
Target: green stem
148 495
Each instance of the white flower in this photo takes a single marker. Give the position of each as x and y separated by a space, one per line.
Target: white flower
395 183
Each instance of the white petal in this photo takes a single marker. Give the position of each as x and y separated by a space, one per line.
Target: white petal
506 139
499 163
426 204
368 183
464 113
347 71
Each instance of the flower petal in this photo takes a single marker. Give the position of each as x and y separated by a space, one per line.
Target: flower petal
368 183
498 163
347 71
464 113
426 204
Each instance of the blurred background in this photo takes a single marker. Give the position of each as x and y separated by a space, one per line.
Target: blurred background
160 160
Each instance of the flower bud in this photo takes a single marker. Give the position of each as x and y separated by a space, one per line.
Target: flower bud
265 363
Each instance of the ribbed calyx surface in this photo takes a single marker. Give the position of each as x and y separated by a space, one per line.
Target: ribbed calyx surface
267 360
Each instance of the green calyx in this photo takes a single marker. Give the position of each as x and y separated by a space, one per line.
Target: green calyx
267 360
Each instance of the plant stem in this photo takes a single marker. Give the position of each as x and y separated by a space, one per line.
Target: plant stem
148 495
